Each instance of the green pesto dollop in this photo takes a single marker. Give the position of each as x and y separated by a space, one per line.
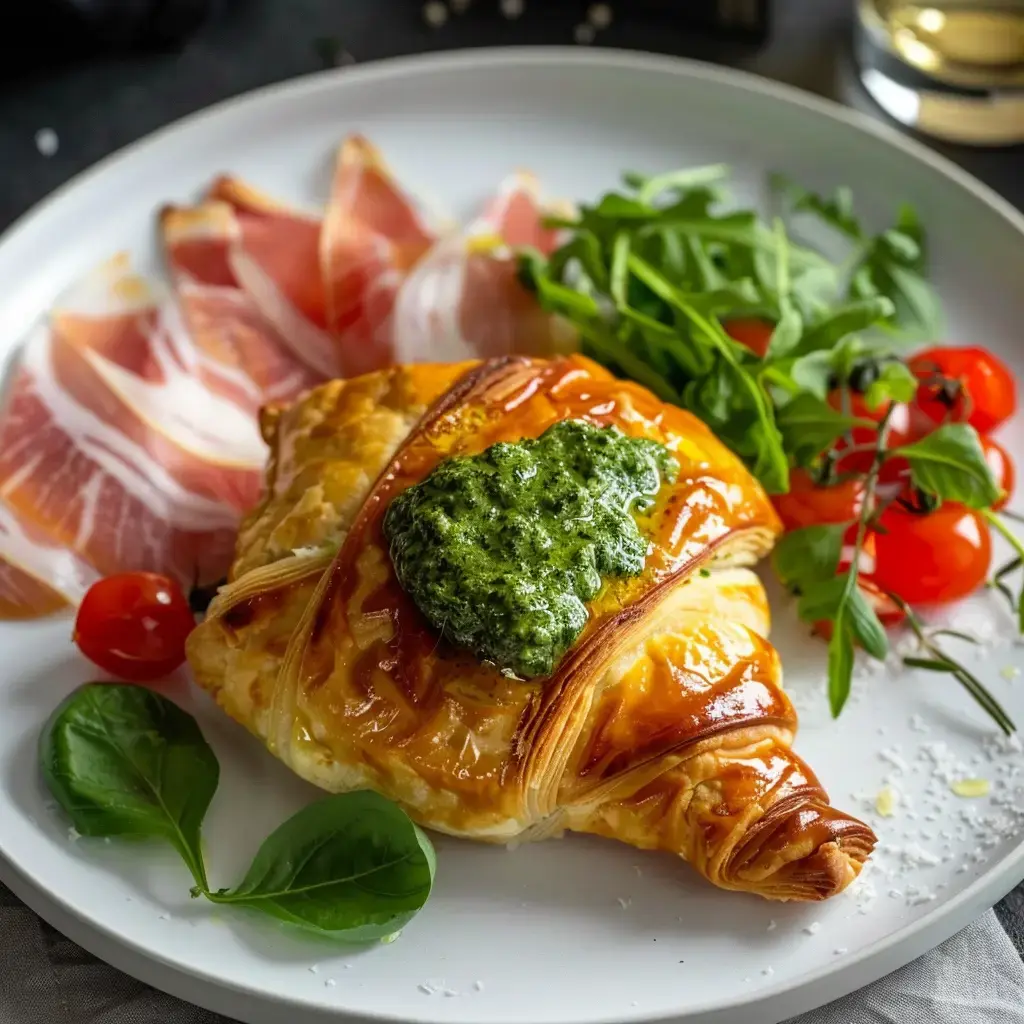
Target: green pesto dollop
502 550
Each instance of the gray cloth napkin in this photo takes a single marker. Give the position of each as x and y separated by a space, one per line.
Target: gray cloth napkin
976 977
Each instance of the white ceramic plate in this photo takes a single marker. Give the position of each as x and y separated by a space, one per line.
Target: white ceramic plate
577 931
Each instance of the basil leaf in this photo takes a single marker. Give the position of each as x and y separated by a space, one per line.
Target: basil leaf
840 665
809 554
844 320
813 373
950 464
352 865
124 761
810 425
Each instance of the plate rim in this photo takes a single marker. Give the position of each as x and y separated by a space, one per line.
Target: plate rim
788 997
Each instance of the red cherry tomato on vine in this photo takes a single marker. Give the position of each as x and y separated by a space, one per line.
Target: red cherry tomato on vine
134 625
1001 465
808 503
966 384
932 557
899 434
752 332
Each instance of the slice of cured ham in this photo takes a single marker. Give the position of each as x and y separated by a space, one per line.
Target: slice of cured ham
111 444
243 352
374 233
37 577
464 300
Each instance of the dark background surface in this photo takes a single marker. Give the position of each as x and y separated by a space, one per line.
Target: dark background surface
96 105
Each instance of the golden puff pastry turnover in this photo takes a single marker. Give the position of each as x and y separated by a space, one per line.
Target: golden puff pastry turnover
663 725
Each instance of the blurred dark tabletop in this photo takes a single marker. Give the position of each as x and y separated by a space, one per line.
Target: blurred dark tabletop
96 106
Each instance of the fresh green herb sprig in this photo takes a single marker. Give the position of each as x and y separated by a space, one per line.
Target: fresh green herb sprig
124 761
648 277
946 465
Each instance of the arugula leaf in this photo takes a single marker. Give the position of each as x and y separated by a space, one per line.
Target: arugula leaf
895 383
840 665
650 189
809 426
950 464
843 320
836 211
124 761
809 554
864 624
352 865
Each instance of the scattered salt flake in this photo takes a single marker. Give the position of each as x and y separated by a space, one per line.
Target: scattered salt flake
895 894
429 988
450 993
478 986
970 788
1009 672
435 13
771 925
584 34
313 968
917 724
914 856
839 951
512 9
892 756
329 983
348 967
885 802
768 971
813 928
600 15
47 142
923 897
623 902
164 917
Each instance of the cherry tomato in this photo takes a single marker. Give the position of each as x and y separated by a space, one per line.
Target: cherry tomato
753 332
966 384
932 557
899 433
808 503
1001 465
134 625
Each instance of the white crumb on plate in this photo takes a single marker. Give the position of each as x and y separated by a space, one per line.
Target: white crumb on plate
313 968
771 925
813 928
478 986
330 983
768 971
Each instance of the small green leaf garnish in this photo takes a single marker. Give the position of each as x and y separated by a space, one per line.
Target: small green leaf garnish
123 761
352 866
950 464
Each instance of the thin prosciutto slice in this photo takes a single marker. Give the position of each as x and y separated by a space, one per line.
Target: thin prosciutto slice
464 300
373 234
271 252
245 354
37 577
111 445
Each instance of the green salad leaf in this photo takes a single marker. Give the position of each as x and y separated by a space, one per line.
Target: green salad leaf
124 761
352 865
950 464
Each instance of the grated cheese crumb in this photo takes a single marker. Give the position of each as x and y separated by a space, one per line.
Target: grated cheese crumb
885 802
813 928
970 788
1009 672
